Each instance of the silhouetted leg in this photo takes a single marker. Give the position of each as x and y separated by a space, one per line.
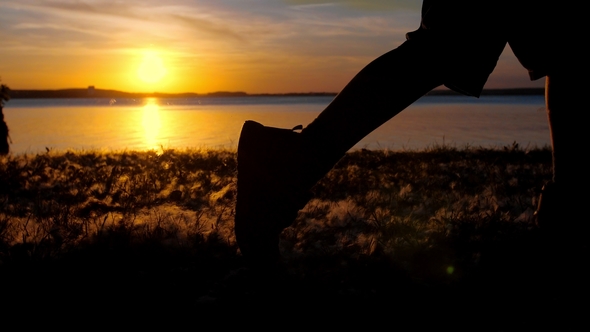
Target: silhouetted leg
561 215
278 167
567 100
562 210
377 93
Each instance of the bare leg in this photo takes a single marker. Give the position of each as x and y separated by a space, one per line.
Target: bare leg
377 93
278 167
566 102
561 210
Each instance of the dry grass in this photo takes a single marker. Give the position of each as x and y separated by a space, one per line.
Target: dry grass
435 221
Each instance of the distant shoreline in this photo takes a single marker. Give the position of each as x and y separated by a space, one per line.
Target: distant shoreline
102 93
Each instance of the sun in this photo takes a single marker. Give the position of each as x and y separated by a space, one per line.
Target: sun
152 69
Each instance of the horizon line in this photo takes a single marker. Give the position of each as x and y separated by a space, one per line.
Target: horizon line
91 91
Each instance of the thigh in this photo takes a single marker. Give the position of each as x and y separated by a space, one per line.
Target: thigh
469 36
548 37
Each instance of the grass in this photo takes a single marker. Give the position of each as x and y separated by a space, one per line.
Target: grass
446 230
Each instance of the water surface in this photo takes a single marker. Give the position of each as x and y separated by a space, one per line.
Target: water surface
142 124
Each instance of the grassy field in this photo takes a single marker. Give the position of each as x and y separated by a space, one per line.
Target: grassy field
442 232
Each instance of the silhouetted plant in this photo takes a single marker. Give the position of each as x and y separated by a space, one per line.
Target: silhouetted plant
4 94
381 225
4 136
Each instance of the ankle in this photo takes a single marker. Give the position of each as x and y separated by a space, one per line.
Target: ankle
320 155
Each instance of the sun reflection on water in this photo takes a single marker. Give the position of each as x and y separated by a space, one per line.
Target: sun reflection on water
151 123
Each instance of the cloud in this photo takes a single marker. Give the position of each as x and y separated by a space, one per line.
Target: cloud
114 22
208 26
92 8
223 20
364 4
79 8
235 35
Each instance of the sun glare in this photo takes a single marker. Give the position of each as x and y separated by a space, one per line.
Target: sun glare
151 123
151 69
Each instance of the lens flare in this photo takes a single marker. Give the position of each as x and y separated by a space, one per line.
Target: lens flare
450 270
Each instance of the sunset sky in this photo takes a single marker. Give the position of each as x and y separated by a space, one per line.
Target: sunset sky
256 46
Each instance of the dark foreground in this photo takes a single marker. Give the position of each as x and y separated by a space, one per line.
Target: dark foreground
442 238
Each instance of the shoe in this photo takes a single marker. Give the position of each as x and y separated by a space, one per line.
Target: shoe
274 183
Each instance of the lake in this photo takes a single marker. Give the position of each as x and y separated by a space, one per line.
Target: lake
215 122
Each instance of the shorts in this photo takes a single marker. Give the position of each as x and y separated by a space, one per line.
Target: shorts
469 37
